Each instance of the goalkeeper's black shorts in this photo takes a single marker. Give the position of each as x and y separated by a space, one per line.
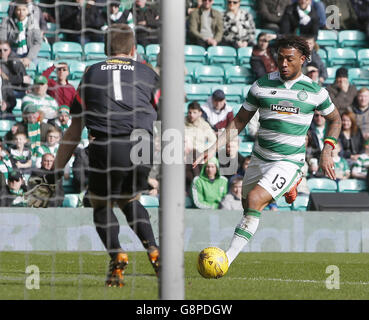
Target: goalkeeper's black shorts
111 170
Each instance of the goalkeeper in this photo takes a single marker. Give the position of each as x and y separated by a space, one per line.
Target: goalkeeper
114 98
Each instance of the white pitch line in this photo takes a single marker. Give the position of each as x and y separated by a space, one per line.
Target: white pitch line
302 280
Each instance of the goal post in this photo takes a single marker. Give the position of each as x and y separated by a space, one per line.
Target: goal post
172 192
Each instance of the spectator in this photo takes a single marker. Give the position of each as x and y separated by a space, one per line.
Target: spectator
239 26
271 13
64 120
341 166
315 58
209 188
341 91
23 36
197 129
347 17
205 25
48 10
21 155
80 169
320 10
351 138
7 98
51 146
263 58
83 22
60 90
317 132
192 5
147 23
245 163
232 161
13 69
361 109
189 155
8 139
41 99
46 167
232 200
300 18
14 193
312 71
361 8
5 163
361 165
119 16
34 12
217 112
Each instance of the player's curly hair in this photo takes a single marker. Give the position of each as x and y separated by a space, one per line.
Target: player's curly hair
293 41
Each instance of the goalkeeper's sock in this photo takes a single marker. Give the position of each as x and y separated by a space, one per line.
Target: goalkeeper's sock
243 233
138 219
107 226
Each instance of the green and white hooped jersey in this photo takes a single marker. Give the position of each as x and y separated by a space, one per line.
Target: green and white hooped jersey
286 110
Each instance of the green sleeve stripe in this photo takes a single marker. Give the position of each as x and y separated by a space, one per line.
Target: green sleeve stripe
284 127
251 99
283 149
326 104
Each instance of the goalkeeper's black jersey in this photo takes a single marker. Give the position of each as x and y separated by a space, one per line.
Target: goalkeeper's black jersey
117 96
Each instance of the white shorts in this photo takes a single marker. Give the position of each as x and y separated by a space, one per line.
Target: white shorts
276 177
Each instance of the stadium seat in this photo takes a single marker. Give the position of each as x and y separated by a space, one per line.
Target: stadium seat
207 74
94 51
45 51
301 203
235 107
140 50
194 53
149 201
190 68
359 77
322 185
323 55
283 205
222 54
352 38
76 69
67 50
327 38
5 126
245 91
152 51
200 92
70 200
363 57
4 6
244 55
17 110
245 148
233 92
75 83
352 185
31 70
189 202
341 56
42 65
239 74
331 71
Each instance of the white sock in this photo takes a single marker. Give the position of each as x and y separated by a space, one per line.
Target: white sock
243 233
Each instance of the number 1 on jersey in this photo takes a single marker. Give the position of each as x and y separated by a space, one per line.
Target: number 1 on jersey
117 86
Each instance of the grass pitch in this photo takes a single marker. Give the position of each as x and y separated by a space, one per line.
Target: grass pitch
272 276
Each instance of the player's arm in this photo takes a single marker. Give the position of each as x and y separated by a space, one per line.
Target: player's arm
334 125
232 130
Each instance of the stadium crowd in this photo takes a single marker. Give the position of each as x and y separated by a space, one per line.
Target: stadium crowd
35 101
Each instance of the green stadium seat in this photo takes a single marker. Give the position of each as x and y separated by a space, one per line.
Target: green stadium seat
75 83
222 54
239 74
76 69
42 65
235 107
4 6
45 51
363 57
245 91
94 51
194 53
359 77
68 186
322 185
283 205
152 51
327 38
341 56
323 55
301 203
189 202
31 69
140 50
233 92
70 200
67 50
5 126
190 68
352 185
199 92
245 148
244 55
149 201
331 71
352 38
207 74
